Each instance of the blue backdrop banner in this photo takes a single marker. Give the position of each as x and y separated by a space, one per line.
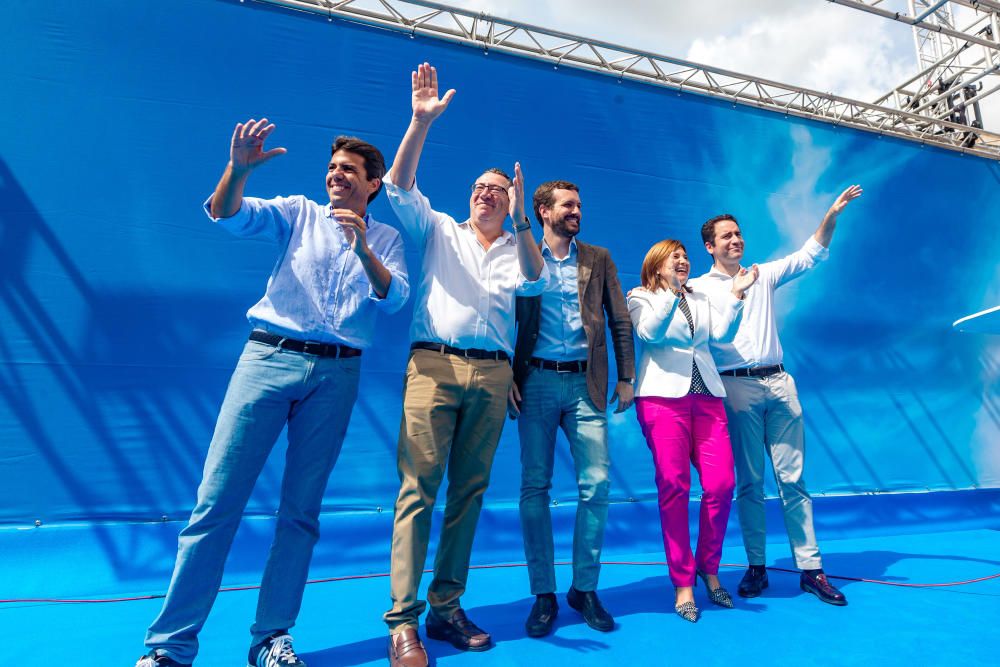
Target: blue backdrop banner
123 305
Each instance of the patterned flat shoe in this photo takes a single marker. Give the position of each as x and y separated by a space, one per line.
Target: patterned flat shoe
719 596
687 611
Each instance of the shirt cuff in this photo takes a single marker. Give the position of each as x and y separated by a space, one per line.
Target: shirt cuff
815 249
393 298
400 194
236 220
533 287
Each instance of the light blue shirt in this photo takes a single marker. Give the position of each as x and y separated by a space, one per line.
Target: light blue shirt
318 289
560 330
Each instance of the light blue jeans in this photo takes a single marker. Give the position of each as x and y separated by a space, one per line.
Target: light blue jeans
552 400
270 387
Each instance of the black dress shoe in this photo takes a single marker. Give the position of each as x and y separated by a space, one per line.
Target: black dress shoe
458 631
815 582
543 615
753 582
594 614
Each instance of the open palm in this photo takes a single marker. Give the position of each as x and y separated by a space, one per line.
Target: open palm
846 197
426 104
246 151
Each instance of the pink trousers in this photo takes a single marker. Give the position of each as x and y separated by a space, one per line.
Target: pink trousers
681 432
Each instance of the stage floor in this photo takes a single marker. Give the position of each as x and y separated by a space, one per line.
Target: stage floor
340 621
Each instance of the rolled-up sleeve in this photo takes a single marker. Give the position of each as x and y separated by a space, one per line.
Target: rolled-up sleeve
394 260
535 287
258 218
413 210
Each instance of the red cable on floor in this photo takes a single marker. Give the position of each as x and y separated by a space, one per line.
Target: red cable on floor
326 580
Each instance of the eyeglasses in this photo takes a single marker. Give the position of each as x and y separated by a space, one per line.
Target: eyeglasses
477 188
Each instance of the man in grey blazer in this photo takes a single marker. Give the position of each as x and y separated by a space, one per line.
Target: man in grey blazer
560 381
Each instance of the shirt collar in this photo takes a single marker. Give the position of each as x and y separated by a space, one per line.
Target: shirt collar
505 237
715 272
547 251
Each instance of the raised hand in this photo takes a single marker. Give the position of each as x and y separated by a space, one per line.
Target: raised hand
515 193
846 197
426 104
668 279
246 152
744 279
354 227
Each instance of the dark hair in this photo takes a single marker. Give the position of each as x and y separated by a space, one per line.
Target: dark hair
499 172
708 229
374 162
544 197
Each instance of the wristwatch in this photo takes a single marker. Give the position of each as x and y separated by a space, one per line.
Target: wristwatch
629 380
525 226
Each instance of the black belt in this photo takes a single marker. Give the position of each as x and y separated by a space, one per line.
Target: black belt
560 366
305 346
758 372
498 355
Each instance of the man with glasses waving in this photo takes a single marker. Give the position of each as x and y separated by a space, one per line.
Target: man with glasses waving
457 378
336 268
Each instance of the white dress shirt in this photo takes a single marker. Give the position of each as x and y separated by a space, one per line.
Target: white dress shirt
756 342
465 297
668 346
318 289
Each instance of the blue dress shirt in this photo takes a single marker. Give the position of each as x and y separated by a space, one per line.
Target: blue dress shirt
318 289
560 330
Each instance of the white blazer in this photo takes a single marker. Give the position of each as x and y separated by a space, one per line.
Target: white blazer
667 343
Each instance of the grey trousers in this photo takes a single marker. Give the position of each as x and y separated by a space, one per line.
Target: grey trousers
765 422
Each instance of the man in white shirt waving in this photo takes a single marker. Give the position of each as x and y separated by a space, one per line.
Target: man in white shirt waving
457 378
765 418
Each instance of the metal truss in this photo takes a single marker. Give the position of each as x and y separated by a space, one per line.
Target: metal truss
958 65
489 33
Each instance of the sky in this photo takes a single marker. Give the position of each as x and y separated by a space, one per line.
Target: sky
810 43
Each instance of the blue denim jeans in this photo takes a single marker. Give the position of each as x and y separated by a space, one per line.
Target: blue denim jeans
552 400
269 387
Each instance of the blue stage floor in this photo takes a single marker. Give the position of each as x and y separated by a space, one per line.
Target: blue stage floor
340 621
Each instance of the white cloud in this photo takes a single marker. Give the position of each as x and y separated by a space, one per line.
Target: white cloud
823 47
813 44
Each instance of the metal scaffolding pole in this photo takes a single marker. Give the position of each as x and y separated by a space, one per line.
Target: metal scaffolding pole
955 63
489 33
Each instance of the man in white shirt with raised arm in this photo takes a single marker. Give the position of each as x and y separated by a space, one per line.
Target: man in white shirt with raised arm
457 378
765 418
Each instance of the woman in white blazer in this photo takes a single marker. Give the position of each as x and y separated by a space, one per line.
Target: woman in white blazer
679 405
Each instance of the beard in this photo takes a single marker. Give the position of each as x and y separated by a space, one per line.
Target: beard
562 228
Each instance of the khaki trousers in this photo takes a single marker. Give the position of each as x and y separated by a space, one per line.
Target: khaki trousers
453 412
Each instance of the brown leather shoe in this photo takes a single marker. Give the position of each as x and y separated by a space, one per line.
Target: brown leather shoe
406 650
458 631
